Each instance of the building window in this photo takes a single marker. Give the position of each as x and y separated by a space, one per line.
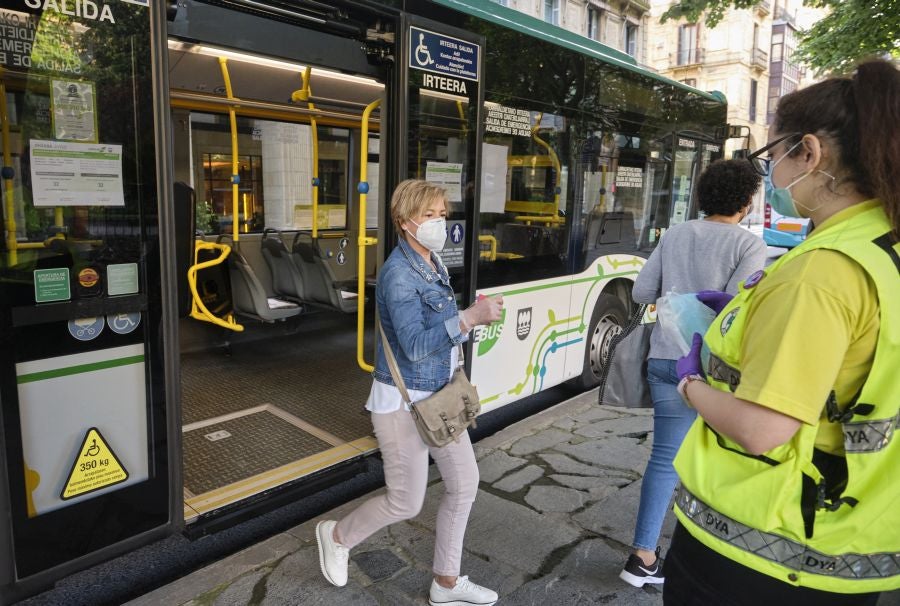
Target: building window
753 87
690 82
631 35
551 11
687 45
593 24
777 47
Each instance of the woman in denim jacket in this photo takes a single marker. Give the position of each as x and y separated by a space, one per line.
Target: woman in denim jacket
418 312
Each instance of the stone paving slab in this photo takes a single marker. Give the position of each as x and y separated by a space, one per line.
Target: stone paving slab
551 526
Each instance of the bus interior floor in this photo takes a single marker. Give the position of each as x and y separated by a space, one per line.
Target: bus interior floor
269 403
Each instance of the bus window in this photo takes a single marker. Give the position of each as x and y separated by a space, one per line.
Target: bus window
441 144
686 169
523 195
615 201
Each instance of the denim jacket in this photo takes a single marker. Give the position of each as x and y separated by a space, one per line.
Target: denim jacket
420 319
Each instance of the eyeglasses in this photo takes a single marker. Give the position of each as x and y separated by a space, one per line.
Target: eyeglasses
761 165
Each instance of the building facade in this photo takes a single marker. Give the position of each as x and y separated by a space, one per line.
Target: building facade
733 58
621 24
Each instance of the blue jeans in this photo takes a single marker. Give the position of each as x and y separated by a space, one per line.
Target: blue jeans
671 420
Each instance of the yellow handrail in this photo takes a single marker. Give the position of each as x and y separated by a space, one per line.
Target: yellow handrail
491 254
235 177
303 95
363 240
462 118
199 310
553 158
8 190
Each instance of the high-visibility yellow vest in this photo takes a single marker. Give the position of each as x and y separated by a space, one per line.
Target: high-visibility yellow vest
771 512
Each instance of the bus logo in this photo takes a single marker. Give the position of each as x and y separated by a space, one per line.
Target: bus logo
523 323
487 336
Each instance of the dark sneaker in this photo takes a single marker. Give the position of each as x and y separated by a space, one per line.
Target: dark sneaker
638 574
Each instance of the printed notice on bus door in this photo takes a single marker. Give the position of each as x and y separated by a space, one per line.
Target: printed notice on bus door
76 174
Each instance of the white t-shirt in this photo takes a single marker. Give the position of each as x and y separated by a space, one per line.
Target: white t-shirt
384 398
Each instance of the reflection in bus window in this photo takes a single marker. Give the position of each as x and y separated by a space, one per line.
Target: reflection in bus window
217 192
275 174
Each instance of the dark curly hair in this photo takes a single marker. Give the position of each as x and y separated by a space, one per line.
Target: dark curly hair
727 186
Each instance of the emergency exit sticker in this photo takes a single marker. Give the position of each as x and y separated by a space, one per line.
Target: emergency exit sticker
51 285
96 466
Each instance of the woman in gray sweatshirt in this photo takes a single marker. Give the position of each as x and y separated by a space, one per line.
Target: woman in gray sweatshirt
713 253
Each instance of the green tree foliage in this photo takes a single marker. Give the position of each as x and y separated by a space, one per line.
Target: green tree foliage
852 30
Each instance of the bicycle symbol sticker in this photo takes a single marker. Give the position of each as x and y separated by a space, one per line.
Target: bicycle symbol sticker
123 324
86 329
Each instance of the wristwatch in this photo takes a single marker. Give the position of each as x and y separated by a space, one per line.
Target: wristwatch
682 386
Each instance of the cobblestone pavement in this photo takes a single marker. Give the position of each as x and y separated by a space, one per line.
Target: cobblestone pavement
551 526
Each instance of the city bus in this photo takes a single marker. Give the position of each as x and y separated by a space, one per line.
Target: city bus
195 201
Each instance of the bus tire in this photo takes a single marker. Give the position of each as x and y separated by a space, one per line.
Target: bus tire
606 322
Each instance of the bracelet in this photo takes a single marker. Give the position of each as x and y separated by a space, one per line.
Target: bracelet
683 383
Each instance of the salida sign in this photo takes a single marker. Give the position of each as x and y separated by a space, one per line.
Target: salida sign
18 28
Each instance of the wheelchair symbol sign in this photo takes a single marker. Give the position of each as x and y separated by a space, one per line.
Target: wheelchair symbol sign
123 323
422 54
441 54
86 329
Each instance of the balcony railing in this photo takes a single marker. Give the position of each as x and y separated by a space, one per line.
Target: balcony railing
760 58
688 56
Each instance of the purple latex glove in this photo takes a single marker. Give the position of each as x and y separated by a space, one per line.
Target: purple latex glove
716 300
690 363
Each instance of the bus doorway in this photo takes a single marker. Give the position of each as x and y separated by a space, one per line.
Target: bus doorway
271 141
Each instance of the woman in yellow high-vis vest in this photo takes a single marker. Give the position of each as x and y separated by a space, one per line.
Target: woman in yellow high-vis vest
790 477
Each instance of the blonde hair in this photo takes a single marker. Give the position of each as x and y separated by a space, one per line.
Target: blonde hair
411 198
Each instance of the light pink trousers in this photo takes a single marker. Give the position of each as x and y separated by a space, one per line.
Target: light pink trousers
405 458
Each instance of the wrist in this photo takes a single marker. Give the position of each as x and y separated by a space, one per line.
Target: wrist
464 326
684 382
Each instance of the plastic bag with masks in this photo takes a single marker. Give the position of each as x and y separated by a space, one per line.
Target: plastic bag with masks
679 316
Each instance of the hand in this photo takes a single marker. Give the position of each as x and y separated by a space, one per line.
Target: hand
484 311
716 300
690 363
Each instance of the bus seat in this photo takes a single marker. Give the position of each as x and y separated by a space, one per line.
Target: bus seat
249 296
324 287
304 253
287 280
608 233
528 240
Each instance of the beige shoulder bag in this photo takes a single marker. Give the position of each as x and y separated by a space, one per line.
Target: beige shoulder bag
445 414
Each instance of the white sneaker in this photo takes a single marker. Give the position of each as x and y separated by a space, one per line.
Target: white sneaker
465 593
333 557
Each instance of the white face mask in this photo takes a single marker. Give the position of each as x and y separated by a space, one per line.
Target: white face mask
432 234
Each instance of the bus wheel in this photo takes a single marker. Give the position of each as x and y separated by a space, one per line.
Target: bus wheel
606 322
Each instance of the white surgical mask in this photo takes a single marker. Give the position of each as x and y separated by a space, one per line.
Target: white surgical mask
432 234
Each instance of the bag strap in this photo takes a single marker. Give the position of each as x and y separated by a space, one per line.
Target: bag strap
633 322
392 362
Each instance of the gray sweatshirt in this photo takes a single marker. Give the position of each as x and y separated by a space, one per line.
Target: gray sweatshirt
694 256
